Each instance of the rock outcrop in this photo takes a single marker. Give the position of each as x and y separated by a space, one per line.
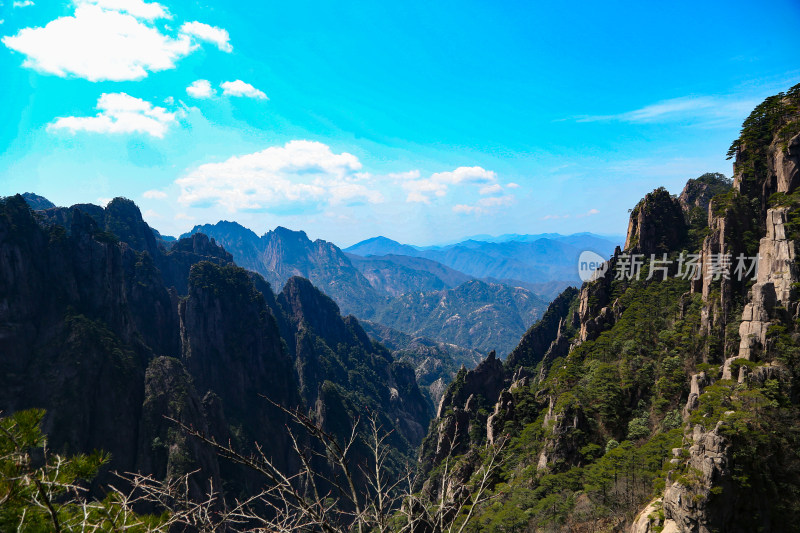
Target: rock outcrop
697 193
688 502
484 382
596 311
657 225
565 428
536 342
777 269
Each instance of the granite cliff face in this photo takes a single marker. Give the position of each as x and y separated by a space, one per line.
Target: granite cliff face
110 330
664 402
762 204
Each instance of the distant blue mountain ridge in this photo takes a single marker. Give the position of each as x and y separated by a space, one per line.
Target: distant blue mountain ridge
531 259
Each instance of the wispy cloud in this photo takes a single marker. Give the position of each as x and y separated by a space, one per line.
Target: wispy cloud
589 213
23 3
494 188
484 205
137 8
698 110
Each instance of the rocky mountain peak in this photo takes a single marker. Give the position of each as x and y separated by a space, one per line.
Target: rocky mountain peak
37 202
767 152
309 307
201 244
288 235
124 219
657 224
698 191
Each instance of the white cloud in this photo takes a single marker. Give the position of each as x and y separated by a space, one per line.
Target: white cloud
494 188
240 88
512 185
422 190
120 113
467 209
211 34
103 201
484 205
154 194
476 175
112 40
200 89
589 213
23 3
295 174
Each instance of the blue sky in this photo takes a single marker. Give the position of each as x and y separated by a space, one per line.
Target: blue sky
421 121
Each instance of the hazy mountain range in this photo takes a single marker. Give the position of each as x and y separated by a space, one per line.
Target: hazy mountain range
532 259
447 293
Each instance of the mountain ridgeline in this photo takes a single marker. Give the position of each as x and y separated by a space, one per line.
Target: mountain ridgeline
660 399
544 264
110 331
417 296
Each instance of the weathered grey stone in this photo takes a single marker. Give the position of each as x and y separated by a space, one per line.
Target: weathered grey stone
686 505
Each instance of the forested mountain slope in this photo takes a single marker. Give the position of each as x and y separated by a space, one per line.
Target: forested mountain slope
663 402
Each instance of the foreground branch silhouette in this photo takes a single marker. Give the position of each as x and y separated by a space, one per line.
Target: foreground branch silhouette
42 491
350 497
